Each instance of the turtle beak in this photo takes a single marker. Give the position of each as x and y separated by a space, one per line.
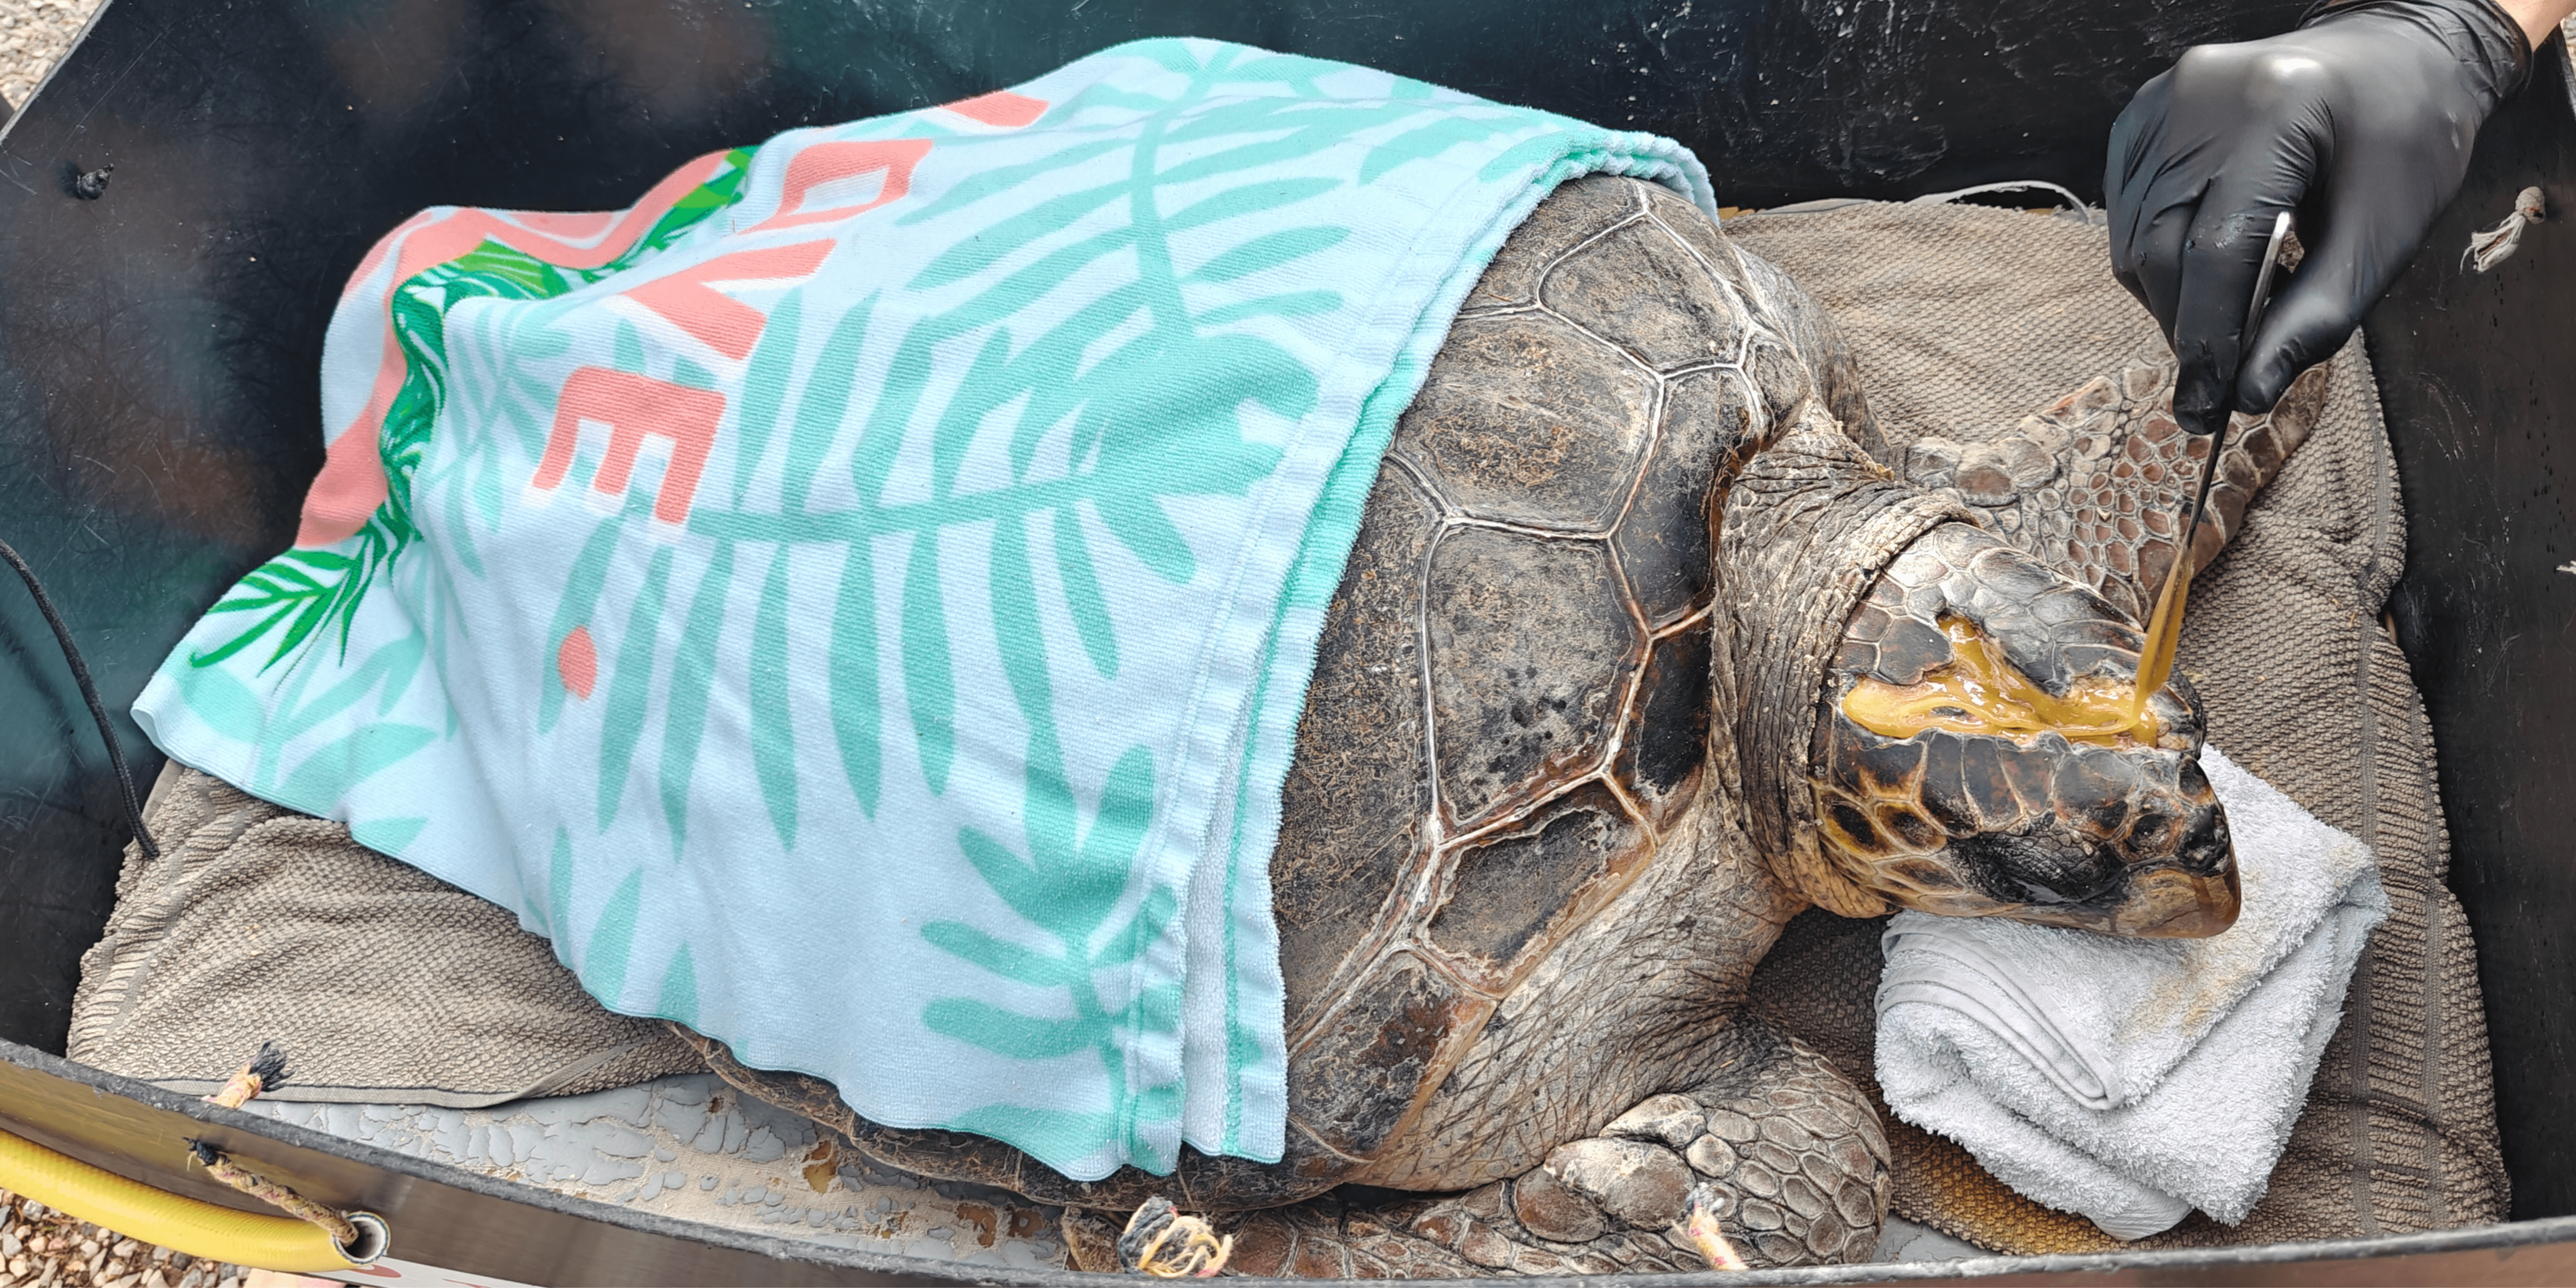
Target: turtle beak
2191 896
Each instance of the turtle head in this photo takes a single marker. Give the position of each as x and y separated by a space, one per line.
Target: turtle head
1978 753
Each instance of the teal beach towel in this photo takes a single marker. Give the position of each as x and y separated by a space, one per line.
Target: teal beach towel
858 601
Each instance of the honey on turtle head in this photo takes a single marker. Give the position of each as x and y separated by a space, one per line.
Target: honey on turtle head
1980 691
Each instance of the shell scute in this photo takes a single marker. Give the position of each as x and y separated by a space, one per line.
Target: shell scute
1666 738
1521 421
1642 289
1785 382
1506 888
1688 222
1572 215
1353 1082
1663 539
1531 648
1355 803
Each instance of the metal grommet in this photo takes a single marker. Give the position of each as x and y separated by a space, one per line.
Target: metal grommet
375 1237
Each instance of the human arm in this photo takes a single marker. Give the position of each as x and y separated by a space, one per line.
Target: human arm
2538 16
2361 122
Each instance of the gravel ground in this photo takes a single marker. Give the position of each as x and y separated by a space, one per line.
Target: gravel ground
42 1248
33 33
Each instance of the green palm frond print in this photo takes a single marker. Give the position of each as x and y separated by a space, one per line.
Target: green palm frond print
1110 369
304 589
865 616
1068 884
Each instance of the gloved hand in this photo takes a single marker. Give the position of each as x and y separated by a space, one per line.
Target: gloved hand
2361 121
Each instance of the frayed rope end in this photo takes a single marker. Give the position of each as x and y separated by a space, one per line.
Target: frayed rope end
1162 1242
2489 247
266 1072
1704 1232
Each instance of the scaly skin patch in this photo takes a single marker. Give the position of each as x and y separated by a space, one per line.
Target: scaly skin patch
2092 484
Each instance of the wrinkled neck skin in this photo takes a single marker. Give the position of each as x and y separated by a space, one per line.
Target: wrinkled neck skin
1802 535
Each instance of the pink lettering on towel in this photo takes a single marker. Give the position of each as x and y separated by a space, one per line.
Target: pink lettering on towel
1001 109
634 407
352 482
690 300
820 164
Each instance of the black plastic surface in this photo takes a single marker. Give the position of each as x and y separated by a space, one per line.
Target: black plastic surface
443 1217
2475 374
159 346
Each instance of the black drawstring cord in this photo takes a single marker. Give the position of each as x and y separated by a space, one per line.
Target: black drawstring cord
89 694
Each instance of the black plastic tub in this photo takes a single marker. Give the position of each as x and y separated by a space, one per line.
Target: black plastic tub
159 350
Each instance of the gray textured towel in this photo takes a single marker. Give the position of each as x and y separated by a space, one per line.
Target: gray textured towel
381 982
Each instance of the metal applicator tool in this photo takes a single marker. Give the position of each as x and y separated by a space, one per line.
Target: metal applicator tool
2164 624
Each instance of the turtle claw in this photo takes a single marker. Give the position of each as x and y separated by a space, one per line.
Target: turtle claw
1162 1241
1702 1227
1775 1160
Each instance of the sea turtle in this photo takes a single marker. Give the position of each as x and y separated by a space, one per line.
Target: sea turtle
1572 758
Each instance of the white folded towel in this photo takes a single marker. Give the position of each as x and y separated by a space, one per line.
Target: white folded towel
2132 1080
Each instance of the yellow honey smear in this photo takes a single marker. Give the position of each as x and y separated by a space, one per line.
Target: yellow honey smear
2164 632
1979 691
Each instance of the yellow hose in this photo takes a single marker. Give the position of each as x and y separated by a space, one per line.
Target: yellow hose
138 1211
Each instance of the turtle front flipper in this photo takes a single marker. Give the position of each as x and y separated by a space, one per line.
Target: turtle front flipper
2094 484
1784 1152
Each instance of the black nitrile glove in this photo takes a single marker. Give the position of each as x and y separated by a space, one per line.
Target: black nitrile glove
2361 121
